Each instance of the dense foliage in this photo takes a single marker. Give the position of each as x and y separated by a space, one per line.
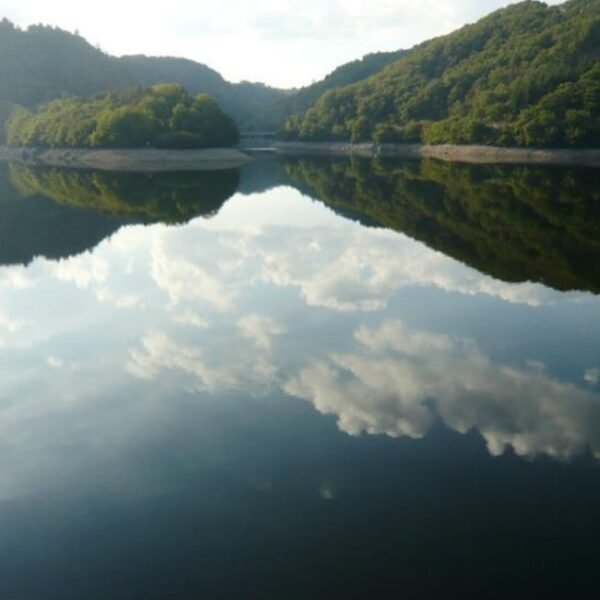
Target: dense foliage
347 74
43 63
165 197
6 109
252 105
514 223
526 75
165 116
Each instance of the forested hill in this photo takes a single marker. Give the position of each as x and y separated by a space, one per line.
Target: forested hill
346 74
43 63
40 63
525 75
163 116
252 105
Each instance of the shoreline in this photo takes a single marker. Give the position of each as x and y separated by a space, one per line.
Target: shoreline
144 160
450 153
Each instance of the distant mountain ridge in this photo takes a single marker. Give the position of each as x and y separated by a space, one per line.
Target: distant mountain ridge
252 105
43 63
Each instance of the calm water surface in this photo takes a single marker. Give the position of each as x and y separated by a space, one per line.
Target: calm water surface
305 379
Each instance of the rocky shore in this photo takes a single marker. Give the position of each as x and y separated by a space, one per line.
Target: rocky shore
147 160
466 154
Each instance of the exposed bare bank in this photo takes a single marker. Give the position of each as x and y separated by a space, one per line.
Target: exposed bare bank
149 160
468 154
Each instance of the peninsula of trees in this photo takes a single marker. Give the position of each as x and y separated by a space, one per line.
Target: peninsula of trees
162 116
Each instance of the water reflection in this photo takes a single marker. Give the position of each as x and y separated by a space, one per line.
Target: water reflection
59 212
277 295
513 223
38 226
280 388
398 381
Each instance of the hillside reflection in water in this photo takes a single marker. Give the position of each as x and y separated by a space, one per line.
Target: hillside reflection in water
233 380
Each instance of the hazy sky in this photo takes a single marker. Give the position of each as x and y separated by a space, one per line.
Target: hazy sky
281 42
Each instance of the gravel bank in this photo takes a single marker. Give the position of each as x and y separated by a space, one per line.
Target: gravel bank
467 154
147 160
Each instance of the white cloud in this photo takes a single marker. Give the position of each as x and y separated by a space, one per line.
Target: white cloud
10 325
261 329
82 270
350 268
54 362
386 385
191 319
343 266
14 278
104 294
592 375
190 272
160 352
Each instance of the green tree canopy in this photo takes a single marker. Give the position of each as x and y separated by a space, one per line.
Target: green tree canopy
525 75
164 115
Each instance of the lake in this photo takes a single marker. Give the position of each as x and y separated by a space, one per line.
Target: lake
308 378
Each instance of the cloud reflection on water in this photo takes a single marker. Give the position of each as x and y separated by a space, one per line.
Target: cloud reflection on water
197 302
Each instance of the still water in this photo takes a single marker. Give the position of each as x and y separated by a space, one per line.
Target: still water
306 379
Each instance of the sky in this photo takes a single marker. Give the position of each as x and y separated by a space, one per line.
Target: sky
284 43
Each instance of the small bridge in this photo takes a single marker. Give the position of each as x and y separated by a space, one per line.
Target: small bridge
257 139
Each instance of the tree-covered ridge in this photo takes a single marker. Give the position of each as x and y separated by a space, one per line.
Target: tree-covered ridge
525 75
252 105
42 63
164 116
346 74
514 223
166 197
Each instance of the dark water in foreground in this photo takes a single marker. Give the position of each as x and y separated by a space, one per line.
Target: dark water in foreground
307 379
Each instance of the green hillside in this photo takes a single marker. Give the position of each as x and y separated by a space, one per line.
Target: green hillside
525 75
349 73
163 116
42 63
252 105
